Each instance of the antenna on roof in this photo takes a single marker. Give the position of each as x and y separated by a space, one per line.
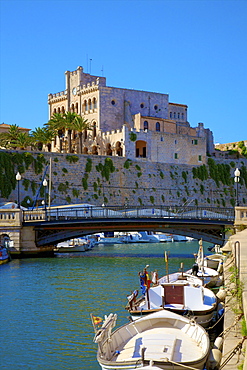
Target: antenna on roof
102 70
90 65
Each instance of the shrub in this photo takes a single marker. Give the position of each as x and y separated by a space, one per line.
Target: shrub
72 158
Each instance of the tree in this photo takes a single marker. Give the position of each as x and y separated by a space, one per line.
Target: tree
80 125
43 136
57 125
8 139
23 140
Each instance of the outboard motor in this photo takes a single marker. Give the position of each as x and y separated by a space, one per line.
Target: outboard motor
195 269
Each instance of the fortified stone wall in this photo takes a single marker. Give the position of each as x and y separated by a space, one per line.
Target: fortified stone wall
117 181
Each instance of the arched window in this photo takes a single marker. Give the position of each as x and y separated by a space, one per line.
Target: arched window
157 126
85 135
54 111
108 149
145 125
119 149
72 109
174 115
63 110
76 107
85 150
85 106
171 115
182 116
58 110
94 150
94 103
141 149
94 129
90 104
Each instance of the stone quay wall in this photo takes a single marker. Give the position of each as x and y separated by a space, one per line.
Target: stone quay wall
115 181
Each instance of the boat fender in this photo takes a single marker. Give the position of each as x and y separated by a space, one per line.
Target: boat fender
219 282
218 343
220 267
221 295
214 359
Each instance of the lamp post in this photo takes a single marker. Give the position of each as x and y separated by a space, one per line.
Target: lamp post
45 186
236 179
18 178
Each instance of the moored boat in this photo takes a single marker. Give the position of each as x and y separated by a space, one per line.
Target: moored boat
182 297
4 255
214 261
75 245
163 340
208 275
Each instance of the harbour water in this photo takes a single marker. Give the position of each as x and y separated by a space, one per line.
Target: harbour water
46 302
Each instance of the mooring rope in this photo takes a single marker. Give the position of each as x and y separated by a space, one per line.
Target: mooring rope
237 348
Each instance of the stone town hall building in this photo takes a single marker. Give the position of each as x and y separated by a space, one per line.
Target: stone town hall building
130 123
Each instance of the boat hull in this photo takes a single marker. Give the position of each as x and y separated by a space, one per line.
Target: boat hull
165 339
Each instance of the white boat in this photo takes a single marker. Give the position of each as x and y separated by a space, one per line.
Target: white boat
112 239
163 339
130 238
179 238
140 237
75 245
214 261
149 237
208 275
185 297
4 255
175 276
164 238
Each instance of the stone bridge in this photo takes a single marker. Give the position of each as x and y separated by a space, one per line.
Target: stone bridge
36 232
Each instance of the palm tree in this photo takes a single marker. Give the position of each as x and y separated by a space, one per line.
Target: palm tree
57 125
70 118
23 140
8 139
80 125
43 136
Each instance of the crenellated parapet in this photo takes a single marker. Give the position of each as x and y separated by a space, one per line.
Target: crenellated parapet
60 96
88 88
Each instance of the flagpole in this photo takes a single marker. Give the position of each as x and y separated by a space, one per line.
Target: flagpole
91 315
167 267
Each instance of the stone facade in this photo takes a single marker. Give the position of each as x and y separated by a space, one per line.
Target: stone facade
117 181
161 130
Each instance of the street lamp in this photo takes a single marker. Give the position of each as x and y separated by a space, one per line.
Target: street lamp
18 178
236 179
45 186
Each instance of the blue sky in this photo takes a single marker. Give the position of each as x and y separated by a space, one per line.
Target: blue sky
195 51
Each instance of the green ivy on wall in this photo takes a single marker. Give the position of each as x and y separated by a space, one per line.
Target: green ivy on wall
72 158
106 169
11 163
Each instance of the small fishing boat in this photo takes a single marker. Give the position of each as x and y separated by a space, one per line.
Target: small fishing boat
214 261
75 245
208 275
182 297
163 340
4 255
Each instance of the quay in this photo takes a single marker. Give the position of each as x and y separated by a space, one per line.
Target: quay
234 353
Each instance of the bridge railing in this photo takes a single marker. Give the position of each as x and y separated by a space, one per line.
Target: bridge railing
94 212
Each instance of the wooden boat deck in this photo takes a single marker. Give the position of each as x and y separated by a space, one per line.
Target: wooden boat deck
161 343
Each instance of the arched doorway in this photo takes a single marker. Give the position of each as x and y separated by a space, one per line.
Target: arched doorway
94 150
108 149
119 149
141 149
